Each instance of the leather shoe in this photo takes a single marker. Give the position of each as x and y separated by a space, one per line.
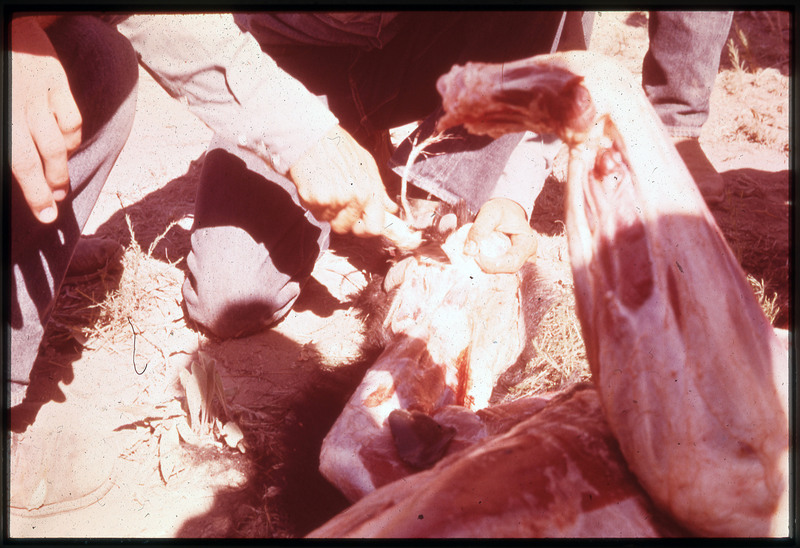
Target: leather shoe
56 468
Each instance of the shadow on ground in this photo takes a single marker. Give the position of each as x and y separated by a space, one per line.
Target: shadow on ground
285 401
75 308
755 219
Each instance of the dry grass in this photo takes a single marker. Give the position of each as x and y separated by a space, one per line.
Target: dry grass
768 304
559 357
76 312
145 297
141 281
560 353
758 40
745 62
763 118
757 77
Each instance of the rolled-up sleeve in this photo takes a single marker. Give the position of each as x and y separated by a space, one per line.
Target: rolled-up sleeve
230 84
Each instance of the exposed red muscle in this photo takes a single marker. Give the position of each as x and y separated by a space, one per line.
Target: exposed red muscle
688 423
379 396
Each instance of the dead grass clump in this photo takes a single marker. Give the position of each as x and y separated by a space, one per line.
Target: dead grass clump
768 304
739 52
145 281
764 98
560 357
767 121
759 39
756 130
758 78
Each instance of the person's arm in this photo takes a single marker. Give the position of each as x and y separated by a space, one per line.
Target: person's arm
45 121
338 181
239 92
510 206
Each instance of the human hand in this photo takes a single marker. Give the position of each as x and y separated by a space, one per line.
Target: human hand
504 216
45 121
338 181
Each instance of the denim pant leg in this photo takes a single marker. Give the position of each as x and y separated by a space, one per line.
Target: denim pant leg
102 71
253 245
681 64
472 169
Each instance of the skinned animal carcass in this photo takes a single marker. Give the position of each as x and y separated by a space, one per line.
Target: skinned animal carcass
449 332
685 427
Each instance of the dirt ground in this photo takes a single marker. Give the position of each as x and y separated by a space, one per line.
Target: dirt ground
110 366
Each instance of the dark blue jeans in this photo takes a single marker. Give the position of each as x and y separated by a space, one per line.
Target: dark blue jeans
102 71
370 91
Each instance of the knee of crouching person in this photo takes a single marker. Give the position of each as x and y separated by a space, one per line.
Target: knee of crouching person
226 313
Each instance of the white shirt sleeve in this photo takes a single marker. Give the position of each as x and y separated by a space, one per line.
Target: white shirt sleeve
230 84
527 168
